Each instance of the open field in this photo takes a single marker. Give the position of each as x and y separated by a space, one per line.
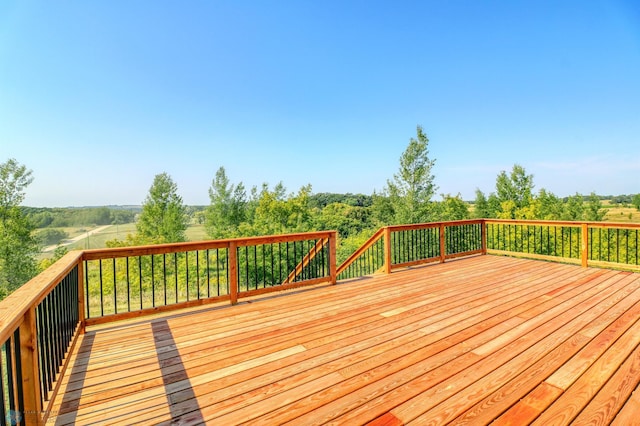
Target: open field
616 213
120 232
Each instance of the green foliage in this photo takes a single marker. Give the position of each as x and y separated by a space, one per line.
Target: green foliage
514 199
51 236
452 208
481 208
548 206
573 208
323 199
412 188
382 211
18 245
593 210
163 218
43 217
636 201
228 208
276 213
57 254
514 192
344 218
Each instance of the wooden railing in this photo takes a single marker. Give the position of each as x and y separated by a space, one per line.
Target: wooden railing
39 325
133 281
599 244
40 322
401 246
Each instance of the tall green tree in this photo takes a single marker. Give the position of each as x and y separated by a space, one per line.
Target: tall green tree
412 188
515 193
636 201
227 208
163 218
481 208
18 245
593 210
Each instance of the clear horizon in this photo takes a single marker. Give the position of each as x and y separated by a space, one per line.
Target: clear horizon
97 98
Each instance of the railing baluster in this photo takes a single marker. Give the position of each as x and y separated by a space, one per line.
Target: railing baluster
115 289
164 276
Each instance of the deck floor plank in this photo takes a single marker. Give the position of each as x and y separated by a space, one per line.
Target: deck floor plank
470 341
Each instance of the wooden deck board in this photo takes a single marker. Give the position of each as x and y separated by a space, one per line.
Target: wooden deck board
468 341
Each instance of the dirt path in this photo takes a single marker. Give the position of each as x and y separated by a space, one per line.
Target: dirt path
78 238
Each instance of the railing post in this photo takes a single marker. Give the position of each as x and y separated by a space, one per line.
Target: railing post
387 250
585 245
30 375
443 248
483 233
233 272
81 296
333 250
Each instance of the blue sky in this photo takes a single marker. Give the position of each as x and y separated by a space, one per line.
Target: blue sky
98 97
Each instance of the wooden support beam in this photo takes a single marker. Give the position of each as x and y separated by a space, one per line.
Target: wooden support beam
233 272
483 232
30 376
387 250
333 252
584 252
443 248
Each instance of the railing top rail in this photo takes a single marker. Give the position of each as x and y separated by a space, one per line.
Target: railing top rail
116 252
575 223
413 226
16 305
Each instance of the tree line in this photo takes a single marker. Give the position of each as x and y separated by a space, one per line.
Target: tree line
409 196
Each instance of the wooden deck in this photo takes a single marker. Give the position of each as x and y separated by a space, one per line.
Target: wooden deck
469 341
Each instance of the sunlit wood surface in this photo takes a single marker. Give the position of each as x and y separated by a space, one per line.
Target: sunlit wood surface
469 341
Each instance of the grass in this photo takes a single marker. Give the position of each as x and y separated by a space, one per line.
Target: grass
120 232
617 213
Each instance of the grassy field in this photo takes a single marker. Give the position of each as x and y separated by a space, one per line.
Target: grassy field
120 232
618 213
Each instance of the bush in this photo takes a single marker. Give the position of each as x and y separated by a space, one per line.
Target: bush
50 237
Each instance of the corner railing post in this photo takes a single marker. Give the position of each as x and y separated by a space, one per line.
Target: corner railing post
483 235
333 250
584 252
443 248
233 272
81 296
30 375
387 250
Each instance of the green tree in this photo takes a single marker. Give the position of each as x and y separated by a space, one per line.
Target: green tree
344 218
163 218
452 208
573 208
18 244
51 236
636 201
593 210
548 206
481 208
227 209
276 213
515 193
412 188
